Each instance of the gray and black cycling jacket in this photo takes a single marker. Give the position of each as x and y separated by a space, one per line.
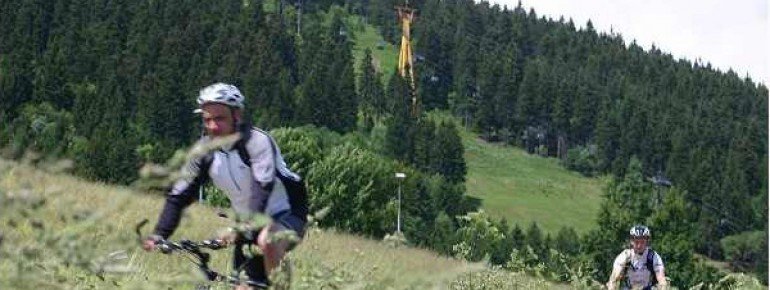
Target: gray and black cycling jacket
246 186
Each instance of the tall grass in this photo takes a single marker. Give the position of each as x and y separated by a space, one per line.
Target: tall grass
59 231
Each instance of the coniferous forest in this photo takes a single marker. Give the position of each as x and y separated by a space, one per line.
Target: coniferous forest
112 84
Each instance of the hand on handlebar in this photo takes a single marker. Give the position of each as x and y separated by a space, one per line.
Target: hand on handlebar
149 243
227 237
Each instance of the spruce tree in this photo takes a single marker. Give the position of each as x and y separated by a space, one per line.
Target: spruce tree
448 149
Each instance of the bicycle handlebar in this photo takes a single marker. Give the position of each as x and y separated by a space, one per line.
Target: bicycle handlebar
194 248
167 246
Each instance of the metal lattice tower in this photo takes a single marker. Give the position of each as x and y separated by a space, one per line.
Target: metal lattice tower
406 16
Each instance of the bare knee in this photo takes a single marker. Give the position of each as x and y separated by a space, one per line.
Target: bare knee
269 246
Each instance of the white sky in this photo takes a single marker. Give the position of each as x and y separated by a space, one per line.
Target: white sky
726 33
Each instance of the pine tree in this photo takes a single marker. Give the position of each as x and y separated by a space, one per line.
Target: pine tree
448 149
501 252
608 134
399 136
369 91
51 77
484 101
341 72
507 94
536 241
530 91
567 241
443 235
517 238
674 237
424 146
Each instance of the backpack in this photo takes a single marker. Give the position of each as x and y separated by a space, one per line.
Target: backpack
649 264
295 189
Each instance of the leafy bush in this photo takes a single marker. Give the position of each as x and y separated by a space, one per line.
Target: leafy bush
359 187
582 159
478 236
41 128
747 252
301 146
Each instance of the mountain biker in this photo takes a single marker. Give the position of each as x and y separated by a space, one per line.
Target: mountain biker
638 267
251 184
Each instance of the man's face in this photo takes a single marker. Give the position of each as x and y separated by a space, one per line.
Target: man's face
639 244
219 119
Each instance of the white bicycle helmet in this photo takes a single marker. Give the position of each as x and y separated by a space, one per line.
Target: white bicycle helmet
640 231
221 93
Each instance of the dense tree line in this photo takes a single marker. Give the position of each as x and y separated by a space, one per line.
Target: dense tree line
128 73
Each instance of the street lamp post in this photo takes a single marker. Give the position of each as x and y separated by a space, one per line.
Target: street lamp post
399 176
659 180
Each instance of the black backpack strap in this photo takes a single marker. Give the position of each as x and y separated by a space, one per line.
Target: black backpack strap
243 153
650 266
240 146
295 189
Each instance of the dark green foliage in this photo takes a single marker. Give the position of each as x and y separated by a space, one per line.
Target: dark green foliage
747 251
674 239
420 142
627 202
447 197
537 242
399 138
215 197
300 147
501 253
516 238
567 242
370 92
327 96
442 237
478 236
582 159
359 188
633 201
154 57
42 129
448 157
425 137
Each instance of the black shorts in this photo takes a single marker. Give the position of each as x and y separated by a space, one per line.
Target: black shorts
291 222
254 266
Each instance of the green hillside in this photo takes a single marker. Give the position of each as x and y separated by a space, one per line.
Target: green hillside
526 188
511 183
384 54
62 232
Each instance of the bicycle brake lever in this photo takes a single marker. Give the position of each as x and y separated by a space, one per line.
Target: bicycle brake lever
138 229
165 248
214 244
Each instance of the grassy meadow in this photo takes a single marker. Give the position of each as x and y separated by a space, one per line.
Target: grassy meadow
527 188
60 231
385 58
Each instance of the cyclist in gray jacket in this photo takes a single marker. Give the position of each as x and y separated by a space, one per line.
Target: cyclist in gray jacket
251 184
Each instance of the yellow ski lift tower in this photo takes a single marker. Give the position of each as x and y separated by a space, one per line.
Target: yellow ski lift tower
405 58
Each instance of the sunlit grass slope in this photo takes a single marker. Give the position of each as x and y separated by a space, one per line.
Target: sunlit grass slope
58 231
526 188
